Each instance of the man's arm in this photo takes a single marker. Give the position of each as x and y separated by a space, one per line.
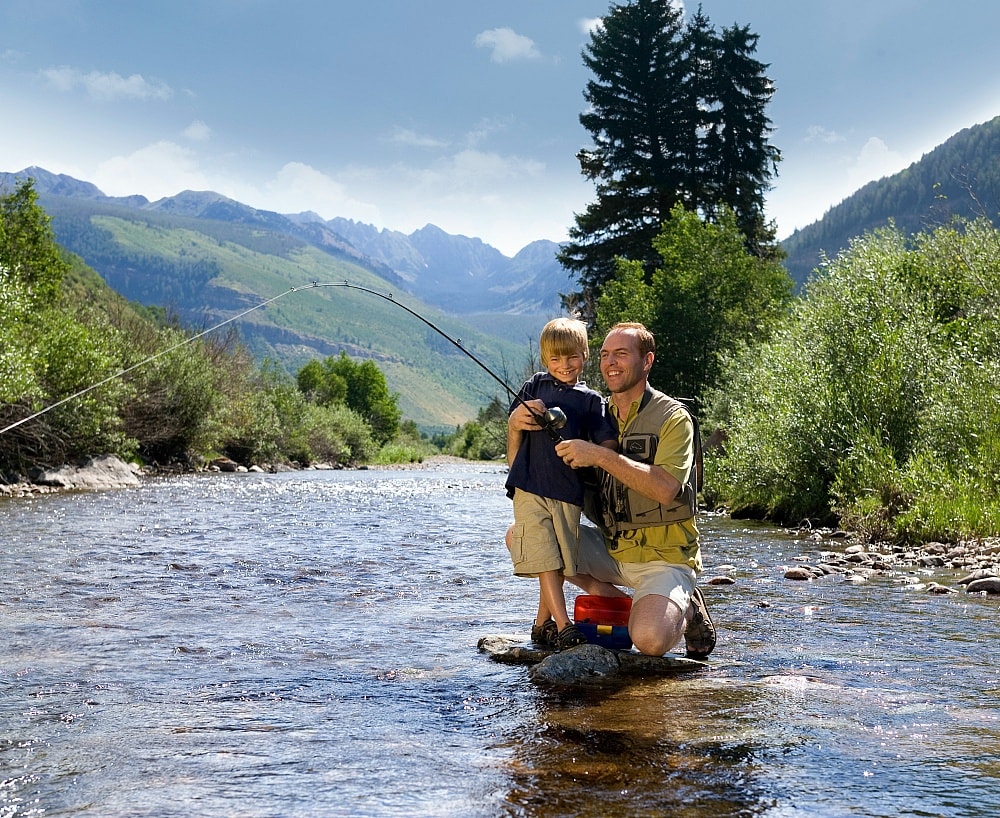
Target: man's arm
647 479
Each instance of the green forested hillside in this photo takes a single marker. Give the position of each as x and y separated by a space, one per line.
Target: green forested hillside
207 271
961 177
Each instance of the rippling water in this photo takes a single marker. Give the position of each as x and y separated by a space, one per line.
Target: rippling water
305 644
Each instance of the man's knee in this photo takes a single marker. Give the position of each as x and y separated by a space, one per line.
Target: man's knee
656 625
654 642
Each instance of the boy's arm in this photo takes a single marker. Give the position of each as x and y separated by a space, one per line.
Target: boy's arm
520 421
514 437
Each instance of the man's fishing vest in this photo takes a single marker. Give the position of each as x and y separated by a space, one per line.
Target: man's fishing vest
624 509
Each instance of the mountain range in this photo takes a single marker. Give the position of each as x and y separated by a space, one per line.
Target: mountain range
207 258
960 177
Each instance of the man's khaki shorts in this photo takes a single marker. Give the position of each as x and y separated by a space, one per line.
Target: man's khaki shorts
676 582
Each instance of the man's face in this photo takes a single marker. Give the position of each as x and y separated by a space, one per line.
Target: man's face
621 364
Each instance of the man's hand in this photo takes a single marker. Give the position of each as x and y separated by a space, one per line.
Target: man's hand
579 454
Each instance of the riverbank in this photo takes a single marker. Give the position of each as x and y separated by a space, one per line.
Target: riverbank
109 472
841 555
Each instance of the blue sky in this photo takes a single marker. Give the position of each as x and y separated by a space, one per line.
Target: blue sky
460 113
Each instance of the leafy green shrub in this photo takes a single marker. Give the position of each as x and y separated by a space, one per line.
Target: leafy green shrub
879 401
336 434
408 447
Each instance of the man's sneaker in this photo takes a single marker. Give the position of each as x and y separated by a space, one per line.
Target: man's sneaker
699 637
570 637
546 635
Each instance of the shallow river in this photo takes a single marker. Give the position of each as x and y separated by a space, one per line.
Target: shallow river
304 644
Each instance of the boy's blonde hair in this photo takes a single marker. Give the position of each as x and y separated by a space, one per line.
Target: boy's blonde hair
563 336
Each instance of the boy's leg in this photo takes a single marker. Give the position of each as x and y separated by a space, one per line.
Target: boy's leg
552 598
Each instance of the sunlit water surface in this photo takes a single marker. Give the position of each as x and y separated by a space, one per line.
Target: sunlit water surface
305 644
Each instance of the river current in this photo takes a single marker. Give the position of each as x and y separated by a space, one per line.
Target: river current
304 644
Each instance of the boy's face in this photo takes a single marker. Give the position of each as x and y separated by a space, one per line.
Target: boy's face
566 367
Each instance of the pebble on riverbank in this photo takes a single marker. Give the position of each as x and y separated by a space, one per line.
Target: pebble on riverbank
978 562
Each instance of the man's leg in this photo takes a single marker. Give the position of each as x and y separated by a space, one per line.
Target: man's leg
656 624
597 573
662 605
589 585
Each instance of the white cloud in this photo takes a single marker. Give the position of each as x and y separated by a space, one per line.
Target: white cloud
106 86
410 138
507 45
873 162
471 168
197 131
298 187
157 170
460 193
486 128
817 133
588 25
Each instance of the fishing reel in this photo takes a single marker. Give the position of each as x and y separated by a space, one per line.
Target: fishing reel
552 420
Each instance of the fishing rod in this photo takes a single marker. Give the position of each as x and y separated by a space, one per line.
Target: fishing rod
551 420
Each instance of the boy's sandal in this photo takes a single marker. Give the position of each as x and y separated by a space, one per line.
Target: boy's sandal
570 637
546 634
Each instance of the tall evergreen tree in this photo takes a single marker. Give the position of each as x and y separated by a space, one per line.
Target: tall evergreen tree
739 160
641 141
676 114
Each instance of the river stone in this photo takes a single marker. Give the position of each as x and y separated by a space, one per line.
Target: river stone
585 665
989 585
982 573
106 472
799 574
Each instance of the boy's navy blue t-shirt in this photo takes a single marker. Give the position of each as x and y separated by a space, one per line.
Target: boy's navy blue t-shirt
537 468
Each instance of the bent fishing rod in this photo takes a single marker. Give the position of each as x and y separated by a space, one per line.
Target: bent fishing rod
551 420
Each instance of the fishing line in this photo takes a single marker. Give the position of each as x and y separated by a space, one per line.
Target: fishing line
551 420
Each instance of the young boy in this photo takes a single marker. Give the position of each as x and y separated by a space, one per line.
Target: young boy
548 494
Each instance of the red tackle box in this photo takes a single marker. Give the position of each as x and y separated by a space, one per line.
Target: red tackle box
604 620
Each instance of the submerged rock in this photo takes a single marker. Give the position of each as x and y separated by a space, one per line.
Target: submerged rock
585 665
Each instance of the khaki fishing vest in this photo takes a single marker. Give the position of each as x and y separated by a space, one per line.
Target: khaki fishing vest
624 509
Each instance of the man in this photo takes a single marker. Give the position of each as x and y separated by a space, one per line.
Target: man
648 540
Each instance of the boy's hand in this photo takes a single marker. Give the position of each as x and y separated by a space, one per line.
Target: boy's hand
521 420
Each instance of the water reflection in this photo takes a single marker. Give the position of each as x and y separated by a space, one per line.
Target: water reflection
663 748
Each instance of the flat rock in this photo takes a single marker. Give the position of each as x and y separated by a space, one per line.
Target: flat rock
585 665
106 472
